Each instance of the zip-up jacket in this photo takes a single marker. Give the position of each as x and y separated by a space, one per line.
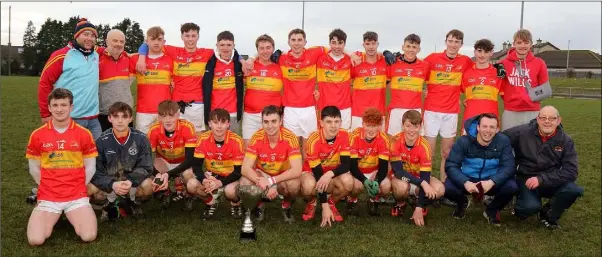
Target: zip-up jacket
554 161
132 160
469 159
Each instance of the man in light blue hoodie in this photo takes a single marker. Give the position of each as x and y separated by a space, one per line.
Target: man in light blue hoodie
74 67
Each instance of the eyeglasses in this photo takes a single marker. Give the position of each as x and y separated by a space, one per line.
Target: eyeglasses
551 119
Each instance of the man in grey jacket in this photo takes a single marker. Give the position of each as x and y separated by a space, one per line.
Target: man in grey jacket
114 75
124 164
547 166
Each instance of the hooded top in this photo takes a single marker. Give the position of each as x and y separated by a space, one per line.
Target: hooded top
469 160
515 94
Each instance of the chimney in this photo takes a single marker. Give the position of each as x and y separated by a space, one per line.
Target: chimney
538 41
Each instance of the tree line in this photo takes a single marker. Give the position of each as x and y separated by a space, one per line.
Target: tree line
55 34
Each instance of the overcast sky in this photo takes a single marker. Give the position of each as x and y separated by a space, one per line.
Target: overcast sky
554 22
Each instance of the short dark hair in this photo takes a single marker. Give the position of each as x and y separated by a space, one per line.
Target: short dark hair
188 27
487 115
60 93
225 35
168 107
412 39
271 109
484 44
370 36
118 107
264 38
339 34
219 114
296 31
413 116
455 33
330 111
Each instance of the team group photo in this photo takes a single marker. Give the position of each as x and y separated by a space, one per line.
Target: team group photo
155 140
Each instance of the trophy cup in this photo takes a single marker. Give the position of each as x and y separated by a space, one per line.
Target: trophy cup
250 196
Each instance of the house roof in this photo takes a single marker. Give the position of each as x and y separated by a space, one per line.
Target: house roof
578 59
14 52
497 55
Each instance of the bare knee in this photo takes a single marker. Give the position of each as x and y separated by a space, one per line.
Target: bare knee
346 182
36 240
308 185
230 192
145 188
385 187
358 188
88 236
400 188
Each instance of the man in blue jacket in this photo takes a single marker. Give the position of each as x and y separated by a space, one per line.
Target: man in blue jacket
481 163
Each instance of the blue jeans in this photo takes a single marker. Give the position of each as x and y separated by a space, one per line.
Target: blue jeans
93 125
502 193
561 197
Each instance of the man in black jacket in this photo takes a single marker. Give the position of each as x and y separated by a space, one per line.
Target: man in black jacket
124 163
547 166
223 82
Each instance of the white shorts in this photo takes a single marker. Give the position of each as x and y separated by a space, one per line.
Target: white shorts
413 190
60 207
346 119
196 115
301 121
512 119
437 123
371 175
145 120
251 122
394 125
356 122
234 124
170 166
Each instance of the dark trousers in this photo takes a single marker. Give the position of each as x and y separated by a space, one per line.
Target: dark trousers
502 193
106 124
561 197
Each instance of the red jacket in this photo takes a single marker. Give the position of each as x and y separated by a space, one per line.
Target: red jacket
515 94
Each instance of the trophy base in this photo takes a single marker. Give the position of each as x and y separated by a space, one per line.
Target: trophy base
246 237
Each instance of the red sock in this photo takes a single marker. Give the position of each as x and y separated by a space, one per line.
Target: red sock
179 186
285 204
209 199
259 204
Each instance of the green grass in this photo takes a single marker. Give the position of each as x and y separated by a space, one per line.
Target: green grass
172 232
574 82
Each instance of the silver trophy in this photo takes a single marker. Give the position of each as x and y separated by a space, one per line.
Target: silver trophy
250 195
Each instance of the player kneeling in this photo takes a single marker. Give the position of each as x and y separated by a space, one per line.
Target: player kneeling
369 161
326 167
173 141
123 166
61 157
273 162
221 151
411 164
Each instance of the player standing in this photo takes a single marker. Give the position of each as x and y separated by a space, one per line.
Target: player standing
334 78
480 83
442 101
263 87
369 81
407 81
188 71
154 85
